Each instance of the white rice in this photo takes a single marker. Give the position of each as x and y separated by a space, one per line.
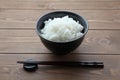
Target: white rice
62 29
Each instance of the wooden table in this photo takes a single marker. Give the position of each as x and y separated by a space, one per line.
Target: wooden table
19 41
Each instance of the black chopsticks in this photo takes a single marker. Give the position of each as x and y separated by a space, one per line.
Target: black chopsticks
66 63
29 65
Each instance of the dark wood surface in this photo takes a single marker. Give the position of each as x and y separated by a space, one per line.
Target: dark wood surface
19 41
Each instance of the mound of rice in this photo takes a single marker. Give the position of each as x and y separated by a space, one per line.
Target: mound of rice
62 29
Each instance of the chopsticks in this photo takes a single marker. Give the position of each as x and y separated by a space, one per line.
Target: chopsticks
34 64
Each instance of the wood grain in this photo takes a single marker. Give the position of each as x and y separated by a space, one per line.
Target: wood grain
27 41
61 0
22 19
10 70
61 5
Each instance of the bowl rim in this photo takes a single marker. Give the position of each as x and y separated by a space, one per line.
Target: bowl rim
39 34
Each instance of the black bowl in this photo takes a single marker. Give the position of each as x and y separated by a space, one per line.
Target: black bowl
61 48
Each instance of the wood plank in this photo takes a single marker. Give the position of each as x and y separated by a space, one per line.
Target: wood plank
27 41
10 70
93 24
38 4
68 0
21 19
